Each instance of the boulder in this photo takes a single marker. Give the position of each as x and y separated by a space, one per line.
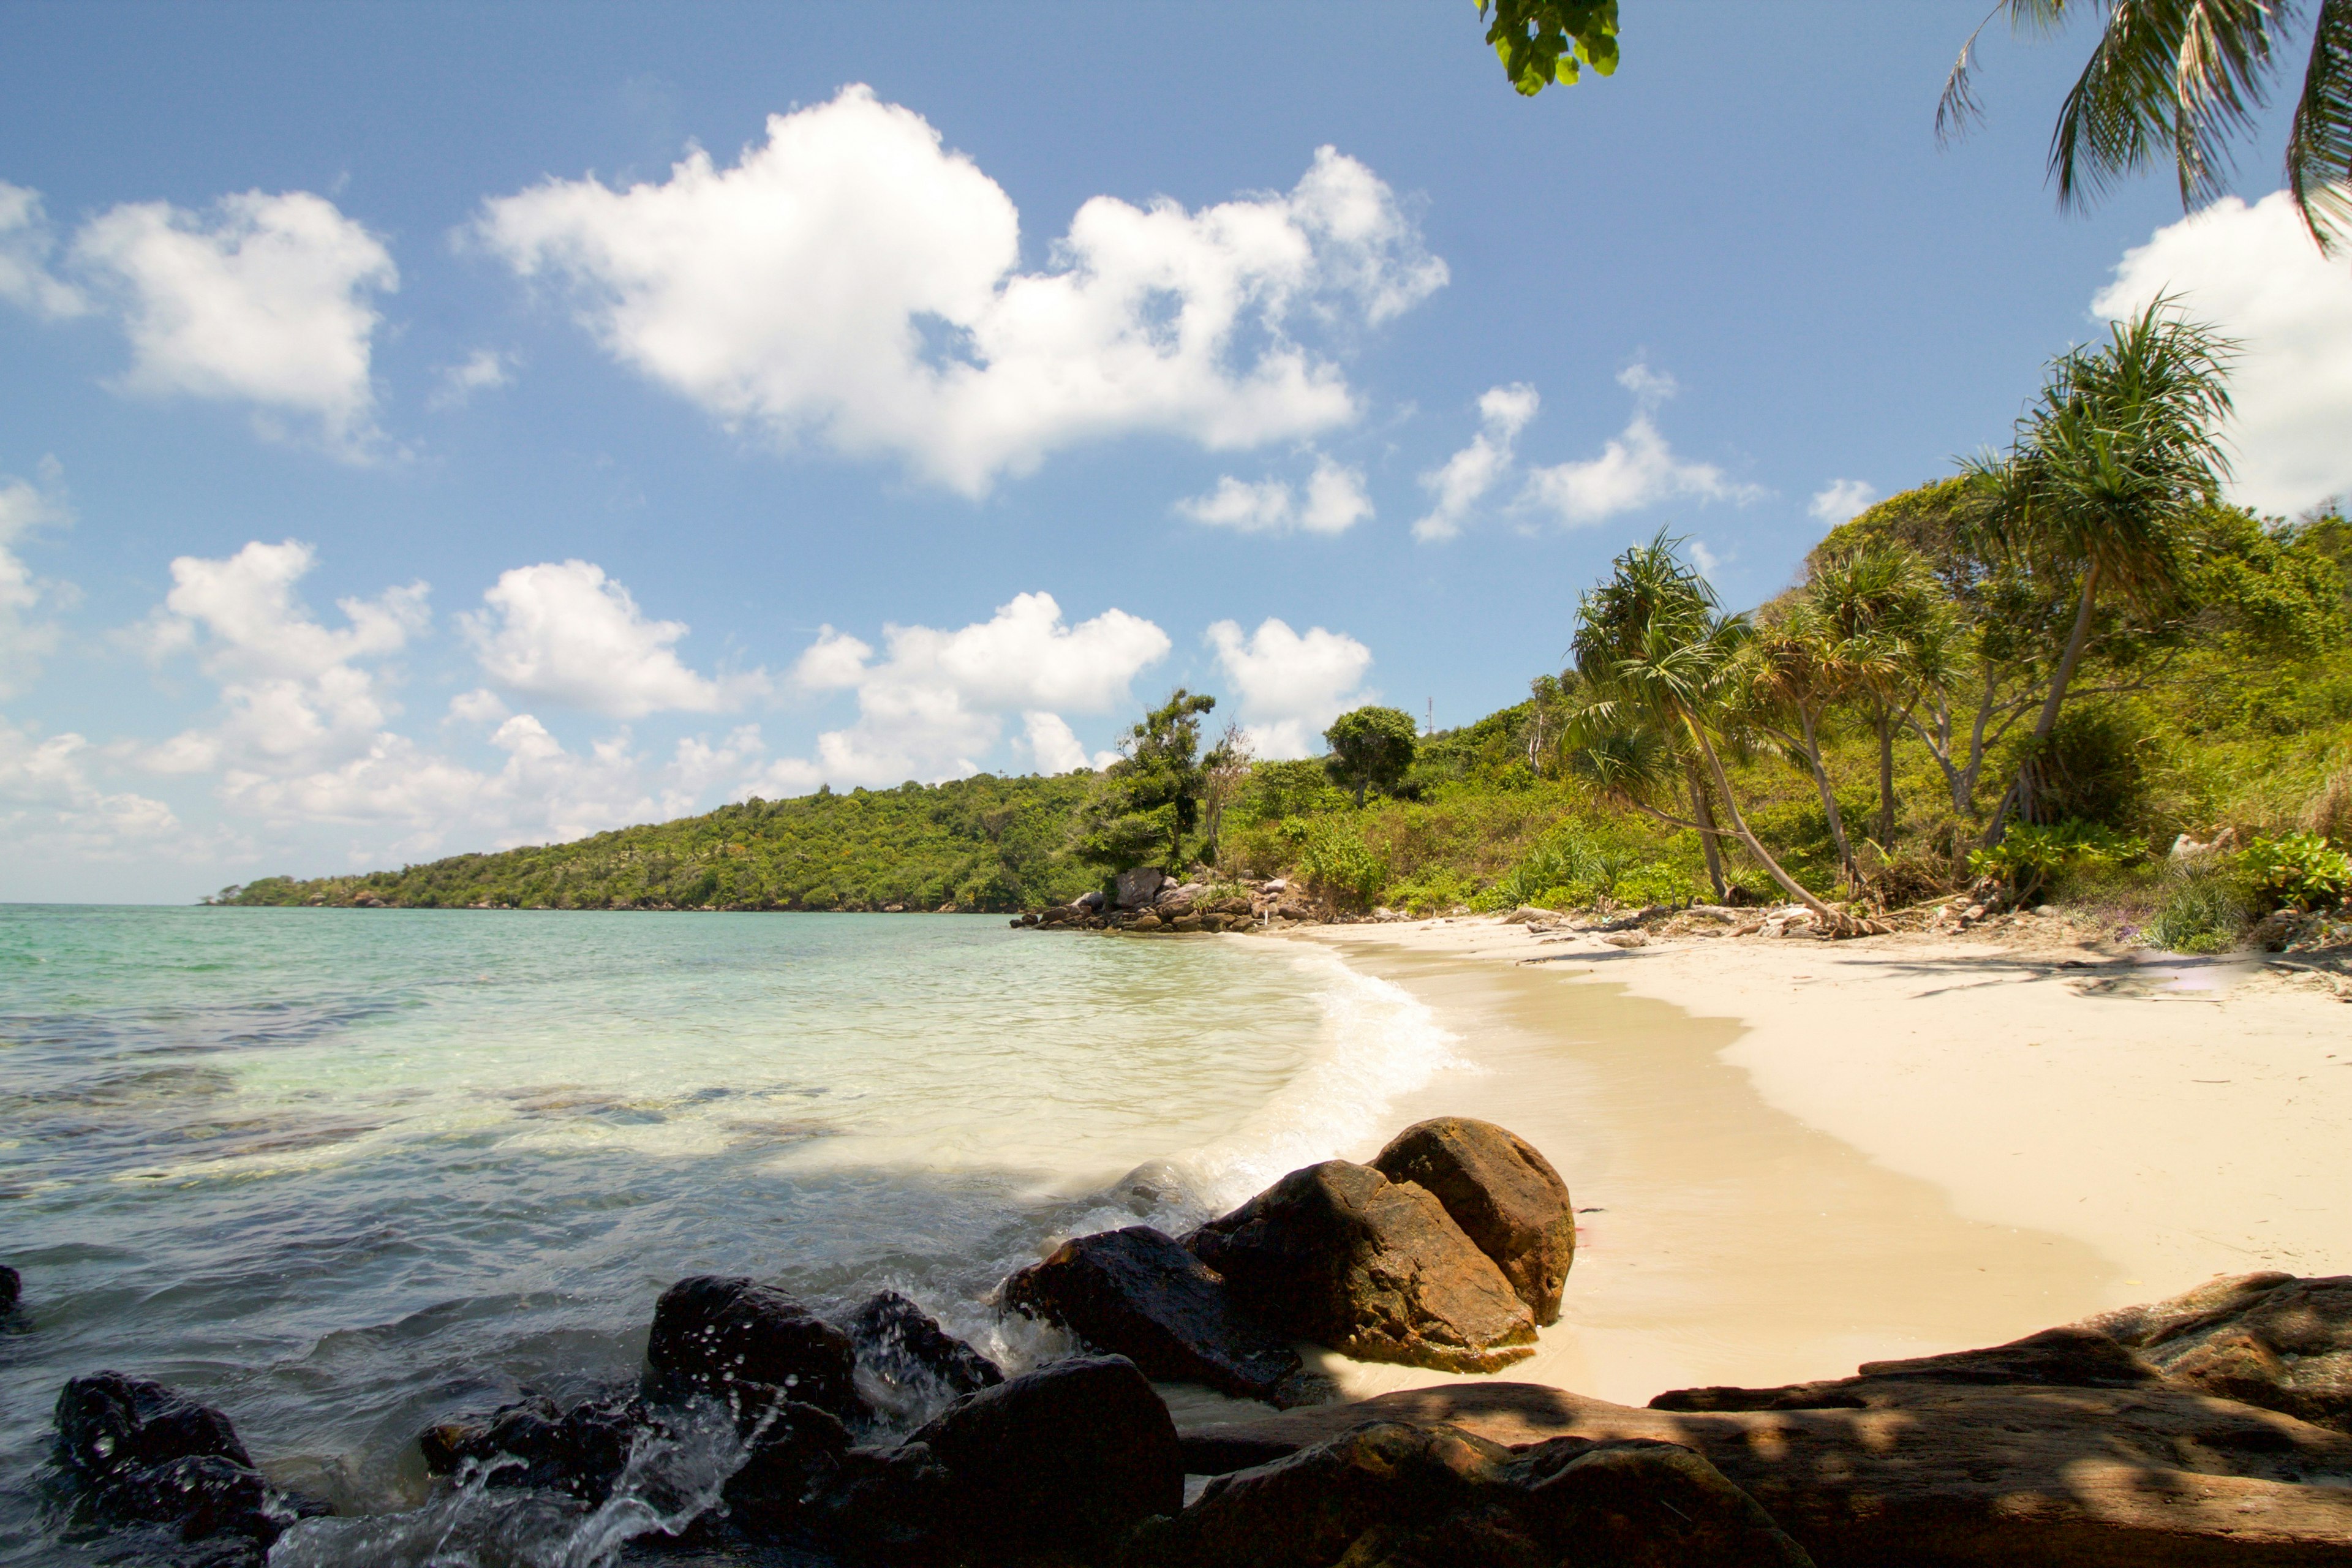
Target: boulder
796 1453
1396 1494
1139 887
1941 1475
903 1345
1139 1293
138 1452
12 1286
891 1505
1091 901
2054 1358
2270 1339
714 1334
580 1452
1072 1454
1189 922
1147 920
1338 1254
1506 1197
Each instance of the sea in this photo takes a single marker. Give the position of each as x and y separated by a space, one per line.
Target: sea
344 1174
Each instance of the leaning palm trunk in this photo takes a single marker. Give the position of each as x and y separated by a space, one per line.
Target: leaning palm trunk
1702 813
2019 799
1740 830
1821 771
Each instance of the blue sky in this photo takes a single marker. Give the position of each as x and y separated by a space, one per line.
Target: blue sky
404 451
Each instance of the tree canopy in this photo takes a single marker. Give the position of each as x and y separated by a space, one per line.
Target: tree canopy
1542 42
1372 748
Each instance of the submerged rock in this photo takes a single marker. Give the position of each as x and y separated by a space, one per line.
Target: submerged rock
714 1334
1137 1292
1338 1254
2272 1340
1072 1454
579 1452
1391 1493
138 1452
1507 1198
796 1452
12 1286
903 1344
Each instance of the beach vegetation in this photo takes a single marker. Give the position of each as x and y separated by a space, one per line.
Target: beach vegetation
2204 906
2295 871
1372 748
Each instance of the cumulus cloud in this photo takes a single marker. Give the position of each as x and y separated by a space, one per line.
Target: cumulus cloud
268 299
1332 501
934 702
2254 273
50 804
1055 748
26 246
853 281
26 639
1457 485
565 633
1289 685
1841 500
484 370
1635 470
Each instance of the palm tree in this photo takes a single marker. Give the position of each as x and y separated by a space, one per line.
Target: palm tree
2106 479
2178 80
1662 664
1797 666
1880 602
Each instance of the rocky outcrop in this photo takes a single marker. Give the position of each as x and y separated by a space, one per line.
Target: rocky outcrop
1338 1254
1138 887
720 1334
1954 1475
1397 1494
796 1451
904 1346
1503 1194
1070 1456
2054 1358
136 1452
1139 1293
2272 1340
580 1452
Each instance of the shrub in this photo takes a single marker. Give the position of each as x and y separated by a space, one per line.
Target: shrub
2295 870
1338 864
1438 889
2029 857
2204 910
2093 769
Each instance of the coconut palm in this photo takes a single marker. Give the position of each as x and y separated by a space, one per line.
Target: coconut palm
1662 662
2107 477
2178 80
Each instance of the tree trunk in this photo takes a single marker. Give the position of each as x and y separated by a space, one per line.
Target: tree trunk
2048 721
1885 726
1821 772
1702 813
1789 884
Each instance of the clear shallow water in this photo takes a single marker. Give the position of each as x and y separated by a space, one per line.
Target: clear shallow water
347 1173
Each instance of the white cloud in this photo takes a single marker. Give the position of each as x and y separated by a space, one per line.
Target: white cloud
852 280
1287 685
484 370
2254 273
294 693
1841 500
50 806
1471 472
1707 562
24 640
479 705
1637 469
25 243
1333 502
1055 748
567 633
268 300
934 703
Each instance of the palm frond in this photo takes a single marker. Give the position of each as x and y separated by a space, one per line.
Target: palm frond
2167 76
2319 142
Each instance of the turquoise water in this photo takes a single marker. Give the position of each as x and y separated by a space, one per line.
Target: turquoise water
347 1173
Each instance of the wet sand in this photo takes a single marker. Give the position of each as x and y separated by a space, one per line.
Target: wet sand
1797 1157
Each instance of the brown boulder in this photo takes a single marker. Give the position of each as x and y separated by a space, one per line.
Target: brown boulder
1393 1494
1928 1474
1506 1197
1138 1293
1338 1254
2270 1339
716 1333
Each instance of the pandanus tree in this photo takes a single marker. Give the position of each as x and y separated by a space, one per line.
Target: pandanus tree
1661 668
2107 479
1881 605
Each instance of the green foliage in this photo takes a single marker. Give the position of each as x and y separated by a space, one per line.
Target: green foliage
1338 863
2295 871
2203 909
1152 800
1544 41
2030 858
2092 769
1372 748
1584 862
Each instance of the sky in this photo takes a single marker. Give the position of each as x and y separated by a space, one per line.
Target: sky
430 428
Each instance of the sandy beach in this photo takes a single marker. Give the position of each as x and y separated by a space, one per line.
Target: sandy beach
1792 1156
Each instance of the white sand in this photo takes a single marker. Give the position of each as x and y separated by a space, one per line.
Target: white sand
1820 1153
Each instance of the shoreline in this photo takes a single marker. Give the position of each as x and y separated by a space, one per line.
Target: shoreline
1806 1155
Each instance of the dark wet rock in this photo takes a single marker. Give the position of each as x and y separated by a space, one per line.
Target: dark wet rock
2270 1339
580 1452
138 1452
1137 1292
713 1332
1073 1454
1338 1254
12 1286
903 1344
887 1504
1395 1494
1505 1195
796 1454
2056 1358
